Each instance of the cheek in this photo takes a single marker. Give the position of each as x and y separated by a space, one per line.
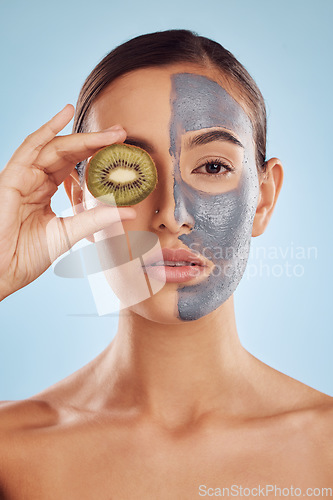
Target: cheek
224 219
222 233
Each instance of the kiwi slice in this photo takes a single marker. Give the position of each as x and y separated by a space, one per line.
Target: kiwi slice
121 175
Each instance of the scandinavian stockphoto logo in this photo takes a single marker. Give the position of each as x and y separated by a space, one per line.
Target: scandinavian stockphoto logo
114 264
276 261
288 261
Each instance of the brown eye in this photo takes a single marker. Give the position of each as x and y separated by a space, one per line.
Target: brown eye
214 167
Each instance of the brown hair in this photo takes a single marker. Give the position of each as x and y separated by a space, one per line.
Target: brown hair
169 47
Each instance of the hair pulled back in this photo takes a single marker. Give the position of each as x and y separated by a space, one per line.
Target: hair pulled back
169 47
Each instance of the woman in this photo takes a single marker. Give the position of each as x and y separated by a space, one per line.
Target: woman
174 407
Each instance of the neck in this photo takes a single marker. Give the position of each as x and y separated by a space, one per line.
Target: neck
174 372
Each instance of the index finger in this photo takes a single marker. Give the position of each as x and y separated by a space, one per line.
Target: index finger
28 151
59 157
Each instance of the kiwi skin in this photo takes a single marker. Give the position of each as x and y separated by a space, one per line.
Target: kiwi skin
129 161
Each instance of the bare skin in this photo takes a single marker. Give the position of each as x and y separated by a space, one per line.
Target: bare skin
169 406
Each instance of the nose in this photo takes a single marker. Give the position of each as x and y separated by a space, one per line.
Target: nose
170 201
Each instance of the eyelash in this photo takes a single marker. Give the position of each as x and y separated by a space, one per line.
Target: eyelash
216 162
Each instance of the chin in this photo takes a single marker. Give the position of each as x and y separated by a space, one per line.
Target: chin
163 308
160 308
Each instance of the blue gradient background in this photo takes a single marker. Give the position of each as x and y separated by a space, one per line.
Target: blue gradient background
50 328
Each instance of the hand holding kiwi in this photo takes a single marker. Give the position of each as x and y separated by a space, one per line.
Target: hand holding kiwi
31 236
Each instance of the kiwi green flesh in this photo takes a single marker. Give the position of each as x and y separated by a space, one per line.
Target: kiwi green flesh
121 175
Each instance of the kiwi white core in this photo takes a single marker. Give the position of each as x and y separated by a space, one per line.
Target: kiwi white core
122 175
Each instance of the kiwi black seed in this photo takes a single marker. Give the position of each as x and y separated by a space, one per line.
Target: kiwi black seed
121 175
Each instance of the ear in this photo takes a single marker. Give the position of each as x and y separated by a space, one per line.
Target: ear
270 183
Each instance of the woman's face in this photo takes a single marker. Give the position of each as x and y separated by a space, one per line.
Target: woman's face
201 141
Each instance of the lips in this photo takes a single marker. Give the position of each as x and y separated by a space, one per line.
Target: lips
174 258
174 266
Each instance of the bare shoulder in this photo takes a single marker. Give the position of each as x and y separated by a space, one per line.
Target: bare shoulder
320 416
320 425
295 413
19 421
310 419
306 404
315 423
311 404
26 414
50 407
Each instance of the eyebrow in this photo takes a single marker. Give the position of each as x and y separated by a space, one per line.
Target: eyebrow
215 135
140 143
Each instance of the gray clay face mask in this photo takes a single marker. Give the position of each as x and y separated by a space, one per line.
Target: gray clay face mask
221 223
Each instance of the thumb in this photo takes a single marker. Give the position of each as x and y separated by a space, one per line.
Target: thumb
63 233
